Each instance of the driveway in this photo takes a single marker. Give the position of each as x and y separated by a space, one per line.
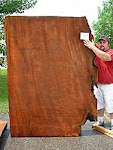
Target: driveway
89 140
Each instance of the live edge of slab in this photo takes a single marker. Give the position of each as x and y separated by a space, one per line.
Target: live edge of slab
103 130
3 125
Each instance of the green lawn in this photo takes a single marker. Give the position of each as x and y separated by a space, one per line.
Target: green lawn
3 92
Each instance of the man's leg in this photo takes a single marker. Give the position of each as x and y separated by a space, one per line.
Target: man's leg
101 112
100 105
111 115
108 93
100 118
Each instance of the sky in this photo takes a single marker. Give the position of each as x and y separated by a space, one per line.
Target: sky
72 8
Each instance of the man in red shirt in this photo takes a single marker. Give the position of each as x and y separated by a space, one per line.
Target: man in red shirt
104 63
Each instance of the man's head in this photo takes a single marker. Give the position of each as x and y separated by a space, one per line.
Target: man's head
104 43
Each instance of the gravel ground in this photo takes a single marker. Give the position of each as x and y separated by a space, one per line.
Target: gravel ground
89 140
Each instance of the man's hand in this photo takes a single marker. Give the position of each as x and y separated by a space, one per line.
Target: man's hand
89 44
102 55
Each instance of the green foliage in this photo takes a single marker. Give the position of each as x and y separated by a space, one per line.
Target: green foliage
2 47
104 24
18 6
8 7
3 92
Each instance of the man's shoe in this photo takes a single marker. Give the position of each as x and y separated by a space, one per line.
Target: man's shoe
112 128
99 123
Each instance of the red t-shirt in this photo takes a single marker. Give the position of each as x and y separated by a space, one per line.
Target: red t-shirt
105 68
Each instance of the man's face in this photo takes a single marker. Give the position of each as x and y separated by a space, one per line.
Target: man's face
103 45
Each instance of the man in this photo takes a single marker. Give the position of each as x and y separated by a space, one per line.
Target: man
104 63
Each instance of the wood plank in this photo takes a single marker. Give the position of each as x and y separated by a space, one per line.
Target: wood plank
106 116
2 126
49 75
103 130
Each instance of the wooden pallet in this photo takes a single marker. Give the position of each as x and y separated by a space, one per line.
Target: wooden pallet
3 124
103 130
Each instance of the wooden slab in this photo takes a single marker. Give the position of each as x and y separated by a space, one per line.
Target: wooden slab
103 130
49 75
2 126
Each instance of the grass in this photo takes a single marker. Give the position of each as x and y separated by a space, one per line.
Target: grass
3 92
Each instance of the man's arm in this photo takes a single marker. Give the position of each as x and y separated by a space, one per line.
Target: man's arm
102 55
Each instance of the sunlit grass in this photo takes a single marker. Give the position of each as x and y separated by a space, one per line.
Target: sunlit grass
3 92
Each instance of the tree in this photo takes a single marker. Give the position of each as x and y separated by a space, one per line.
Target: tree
8 7
104 24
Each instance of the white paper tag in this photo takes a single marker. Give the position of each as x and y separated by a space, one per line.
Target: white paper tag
84 36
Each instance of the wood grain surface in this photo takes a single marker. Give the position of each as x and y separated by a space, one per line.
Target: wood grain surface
103 130
49 75
3 125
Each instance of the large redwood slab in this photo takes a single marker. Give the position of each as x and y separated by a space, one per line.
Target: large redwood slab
49 75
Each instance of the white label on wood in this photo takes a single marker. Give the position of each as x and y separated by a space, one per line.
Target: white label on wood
84 36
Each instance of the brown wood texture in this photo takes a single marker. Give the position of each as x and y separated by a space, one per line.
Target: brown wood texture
2 126
49 75
103 130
